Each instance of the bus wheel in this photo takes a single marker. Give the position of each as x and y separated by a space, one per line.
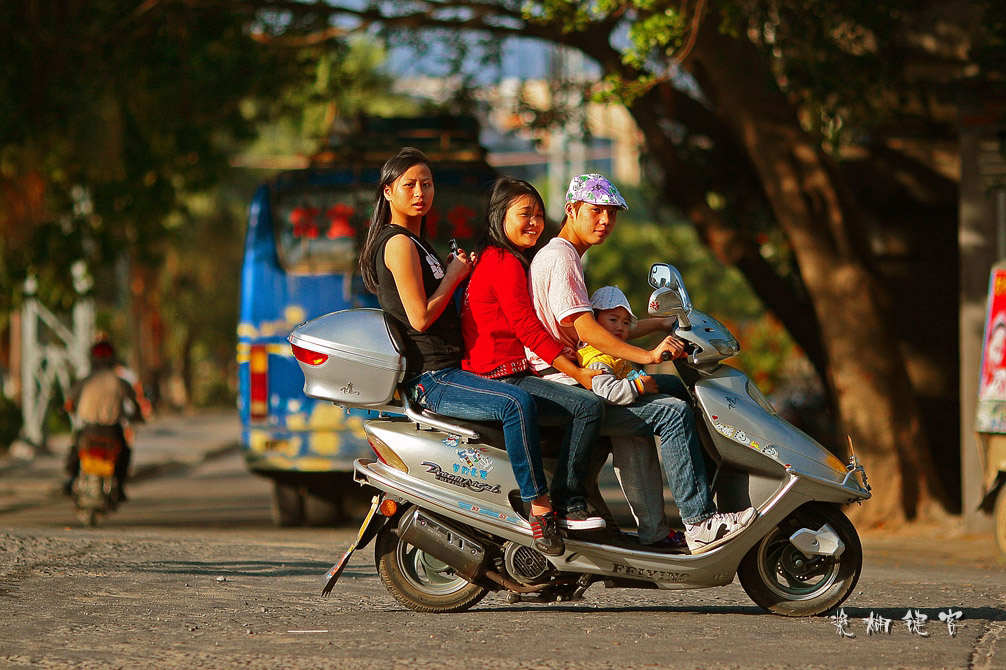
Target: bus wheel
355 498
287 504
323 508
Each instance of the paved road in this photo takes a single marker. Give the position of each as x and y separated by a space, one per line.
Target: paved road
190 574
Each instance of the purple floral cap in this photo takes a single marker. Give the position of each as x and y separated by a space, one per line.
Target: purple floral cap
596 190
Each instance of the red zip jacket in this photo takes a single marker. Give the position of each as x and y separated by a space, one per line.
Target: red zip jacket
497 319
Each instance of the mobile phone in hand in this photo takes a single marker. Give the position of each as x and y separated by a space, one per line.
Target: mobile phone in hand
454 246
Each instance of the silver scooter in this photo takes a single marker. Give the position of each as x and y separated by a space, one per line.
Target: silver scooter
450 526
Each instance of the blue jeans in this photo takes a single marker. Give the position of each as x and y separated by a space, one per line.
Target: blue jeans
580 414
463 395
670 418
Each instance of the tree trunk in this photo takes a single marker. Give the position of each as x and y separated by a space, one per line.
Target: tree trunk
868 376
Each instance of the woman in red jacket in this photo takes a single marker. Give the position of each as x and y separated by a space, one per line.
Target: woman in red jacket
498 322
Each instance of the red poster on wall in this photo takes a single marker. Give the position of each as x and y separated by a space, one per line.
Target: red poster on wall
991 414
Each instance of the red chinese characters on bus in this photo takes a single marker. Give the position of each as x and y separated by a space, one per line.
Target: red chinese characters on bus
458 217
338 217
305 221
307 224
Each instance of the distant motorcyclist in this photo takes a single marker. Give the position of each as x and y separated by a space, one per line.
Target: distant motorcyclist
103 402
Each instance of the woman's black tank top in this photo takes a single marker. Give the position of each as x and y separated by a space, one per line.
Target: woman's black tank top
440 346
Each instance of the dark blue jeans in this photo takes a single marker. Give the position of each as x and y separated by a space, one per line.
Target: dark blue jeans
464 395
580 415
668 416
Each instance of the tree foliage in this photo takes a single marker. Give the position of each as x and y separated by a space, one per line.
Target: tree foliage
119 120
112 112
783 131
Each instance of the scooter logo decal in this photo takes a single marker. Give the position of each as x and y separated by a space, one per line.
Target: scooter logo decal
460 482
732 401
348 389
474 463
452 440
656 575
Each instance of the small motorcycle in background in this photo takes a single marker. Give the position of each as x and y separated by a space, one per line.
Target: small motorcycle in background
96 490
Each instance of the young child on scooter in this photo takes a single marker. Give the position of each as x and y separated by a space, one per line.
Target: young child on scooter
620 383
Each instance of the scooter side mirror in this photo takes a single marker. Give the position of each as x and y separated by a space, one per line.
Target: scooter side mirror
660 275
664 276
667 302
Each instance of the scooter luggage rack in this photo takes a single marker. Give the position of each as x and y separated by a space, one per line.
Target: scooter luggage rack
426 418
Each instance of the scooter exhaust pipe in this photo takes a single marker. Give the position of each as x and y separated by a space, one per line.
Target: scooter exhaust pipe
443 542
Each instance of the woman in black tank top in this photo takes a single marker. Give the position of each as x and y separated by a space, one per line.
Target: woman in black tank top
416 290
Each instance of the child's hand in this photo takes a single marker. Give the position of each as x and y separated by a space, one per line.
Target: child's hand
649 384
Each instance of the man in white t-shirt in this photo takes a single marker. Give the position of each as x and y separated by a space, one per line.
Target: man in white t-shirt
562 303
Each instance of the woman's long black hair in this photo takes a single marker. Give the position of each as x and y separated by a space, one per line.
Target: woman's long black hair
503 193
392 169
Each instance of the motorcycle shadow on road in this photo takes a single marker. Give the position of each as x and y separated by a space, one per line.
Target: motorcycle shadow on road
238 568
598 608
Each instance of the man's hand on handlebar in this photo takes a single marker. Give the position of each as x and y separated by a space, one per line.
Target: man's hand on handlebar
669 348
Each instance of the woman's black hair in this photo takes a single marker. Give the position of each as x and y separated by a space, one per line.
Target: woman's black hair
503 193
392 169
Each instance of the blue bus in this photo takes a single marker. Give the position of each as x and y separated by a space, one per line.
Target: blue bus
305 229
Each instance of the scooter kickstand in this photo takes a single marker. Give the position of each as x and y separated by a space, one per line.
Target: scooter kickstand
582 584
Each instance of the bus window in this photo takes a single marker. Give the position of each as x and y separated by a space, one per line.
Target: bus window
318 231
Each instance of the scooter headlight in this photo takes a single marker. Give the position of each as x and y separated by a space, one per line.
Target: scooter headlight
726 347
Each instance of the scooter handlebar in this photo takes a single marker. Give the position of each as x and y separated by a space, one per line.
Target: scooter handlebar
689 349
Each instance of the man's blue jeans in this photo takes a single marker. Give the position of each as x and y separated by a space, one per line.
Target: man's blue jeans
670 418
580 415
464 395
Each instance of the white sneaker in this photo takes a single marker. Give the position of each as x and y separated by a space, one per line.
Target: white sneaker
717 529
580 520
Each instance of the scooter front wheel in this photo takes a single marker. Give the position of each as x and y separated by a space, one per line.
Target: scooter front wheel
781 579
419 581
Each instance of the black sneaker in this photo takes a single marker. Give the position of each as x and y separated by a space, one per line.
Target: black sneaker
580 519
546 534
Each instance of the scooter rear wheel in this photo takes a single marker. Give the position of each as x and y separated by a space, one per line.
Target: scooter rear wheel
780 579
419 581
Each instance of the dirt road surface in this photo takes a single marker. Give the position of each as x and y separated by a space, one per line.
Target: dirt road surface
190 574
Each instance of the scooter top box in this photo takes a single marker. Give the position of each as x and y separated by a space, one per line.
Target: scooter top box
348 357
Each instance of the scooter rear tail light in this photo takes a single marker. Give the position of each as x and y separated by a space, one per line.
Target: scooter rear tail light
258 366
385 454
307 356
